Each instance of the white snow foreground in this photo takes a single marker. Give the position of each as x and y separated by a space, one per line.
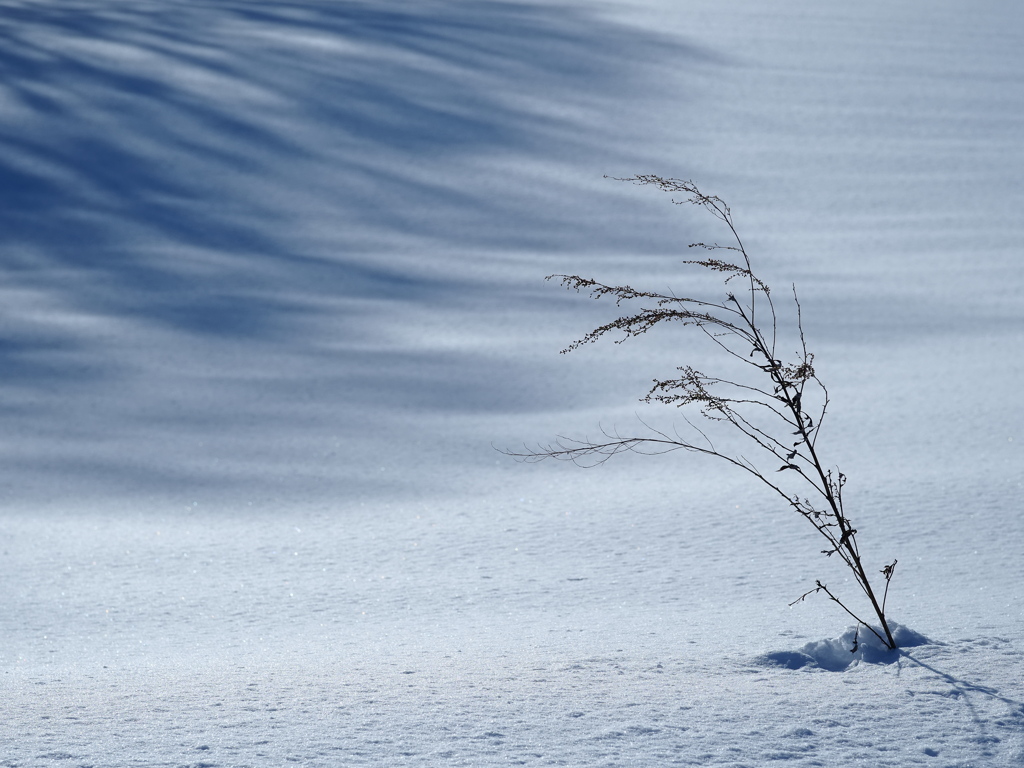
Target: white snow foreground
535 632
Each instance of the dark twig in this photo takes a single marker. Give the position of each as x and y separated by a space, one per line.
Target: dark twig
771 406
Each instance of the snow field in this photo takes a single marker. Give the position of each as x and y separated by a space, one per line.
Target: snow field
272 292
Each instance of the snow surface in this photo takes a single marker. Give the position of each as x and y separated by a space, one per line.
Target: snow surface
272 290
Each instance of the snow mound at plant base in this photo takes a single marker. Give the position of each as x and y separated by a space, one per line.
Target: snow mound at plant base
836 655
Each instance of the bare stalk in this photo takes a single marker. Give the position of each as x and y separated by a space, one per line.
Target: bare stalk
770 404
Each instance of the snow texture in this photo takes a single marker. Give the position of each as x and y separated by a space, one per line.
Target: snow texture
272 289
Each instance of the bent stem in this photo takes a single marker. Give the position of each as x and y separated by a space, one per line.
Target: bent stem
771 407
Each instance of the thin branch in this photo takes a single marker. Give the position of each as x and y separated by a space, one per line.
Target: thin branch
775 417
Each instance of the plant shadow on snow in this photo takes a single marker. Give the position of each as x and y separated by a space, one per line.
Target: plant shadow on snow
963 689
834 655
216 130
223 218
240 172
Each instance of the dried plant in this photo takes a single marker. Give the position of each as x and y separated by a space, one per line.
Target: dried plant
776 404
